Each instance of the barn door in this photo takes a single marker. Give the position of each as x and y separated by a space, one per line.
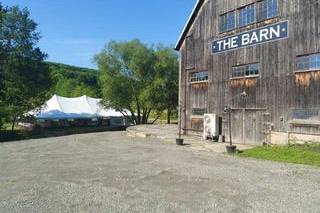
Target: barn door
237 126
248 126
254 128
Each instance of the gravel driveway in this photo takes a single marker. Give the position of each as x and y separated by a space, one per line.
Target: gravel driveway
110 172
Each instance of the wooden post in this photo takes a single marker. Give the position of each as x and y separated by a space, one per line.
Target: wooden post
179 120
230 131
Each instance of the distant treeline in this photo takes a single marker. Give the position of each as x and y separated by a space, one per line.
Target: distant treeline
72 81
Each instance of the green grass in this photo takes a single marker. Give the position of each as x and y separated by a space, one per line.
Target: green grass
308 154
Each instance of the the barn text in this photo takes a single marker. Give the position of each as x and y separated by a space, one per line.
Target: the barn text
253 37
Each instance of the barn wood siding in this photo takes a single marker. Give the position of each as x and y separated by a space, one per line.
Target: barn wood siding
278 89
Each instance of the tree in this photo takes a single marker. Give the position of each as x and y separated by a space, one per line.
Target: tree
166 85
71 81
2 12
25 76
138 78
126 72
2 114
83 89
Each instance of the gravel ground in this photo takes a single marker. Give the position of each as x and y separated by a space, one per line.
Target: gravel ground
170 132
110 172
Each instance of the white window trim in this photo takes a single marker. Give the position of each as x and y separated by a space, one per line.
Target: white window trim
198 82
244 77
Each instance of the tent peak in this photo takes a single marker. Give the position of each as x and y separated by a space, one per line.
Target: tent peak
59 107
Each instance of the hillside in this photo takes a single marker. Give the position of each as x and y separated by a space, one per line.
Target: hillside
72 81
70 68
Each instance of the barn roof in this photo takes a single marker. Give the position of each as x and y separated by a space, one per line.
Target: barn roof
189 23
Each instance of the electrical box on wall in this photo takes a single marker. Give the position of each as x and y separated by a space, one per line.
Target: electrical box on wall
210 126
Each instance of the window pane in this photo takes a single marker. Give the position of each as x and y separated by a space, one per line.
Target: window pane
242 17
301 63
263 10
246 15
198 76
231 22
318 61
313 62
310 62
198 111
251 16
223 23
272 8
246 70
305 63
227 21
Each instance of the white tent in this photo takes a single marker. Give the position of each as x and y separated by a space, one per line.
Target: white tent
73 108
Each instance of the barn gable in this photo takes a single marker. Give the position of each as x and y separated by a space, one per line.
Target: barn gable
189 23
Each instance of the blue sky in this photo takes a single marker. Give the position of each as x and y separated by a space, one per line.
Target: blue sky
74 30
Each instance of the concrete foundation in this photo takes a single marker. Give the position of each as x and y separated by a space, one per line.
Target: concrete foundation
285 138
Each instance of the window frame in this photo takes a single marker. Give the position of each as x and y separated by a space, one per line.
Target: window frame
246 15
223 18
258 19
243 66
198 81
225 22
310 69
198 109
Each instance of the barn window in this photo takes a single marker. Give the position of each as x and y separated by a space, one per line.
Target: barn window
267 9
199 111
246 15
244 71
198 77
308 62
197 124
228 21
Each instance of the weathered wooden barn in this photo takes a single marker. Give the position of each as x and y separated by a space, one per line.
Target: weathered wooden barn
262 58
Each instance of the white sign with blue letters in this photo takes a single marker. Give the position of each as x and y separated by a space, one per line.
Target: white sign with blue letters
257 36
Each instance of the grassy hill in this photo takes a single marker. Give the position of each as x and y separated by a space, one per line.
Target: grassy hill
72 81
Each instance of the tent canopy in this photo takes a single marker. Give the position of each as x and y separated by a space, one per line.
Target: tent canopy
73 108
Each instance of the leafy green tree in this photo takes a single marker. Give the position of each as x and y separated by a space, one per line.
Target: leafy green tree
2 113
83 89
71 81
65 87
25 76
138 78
166 85
126 71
